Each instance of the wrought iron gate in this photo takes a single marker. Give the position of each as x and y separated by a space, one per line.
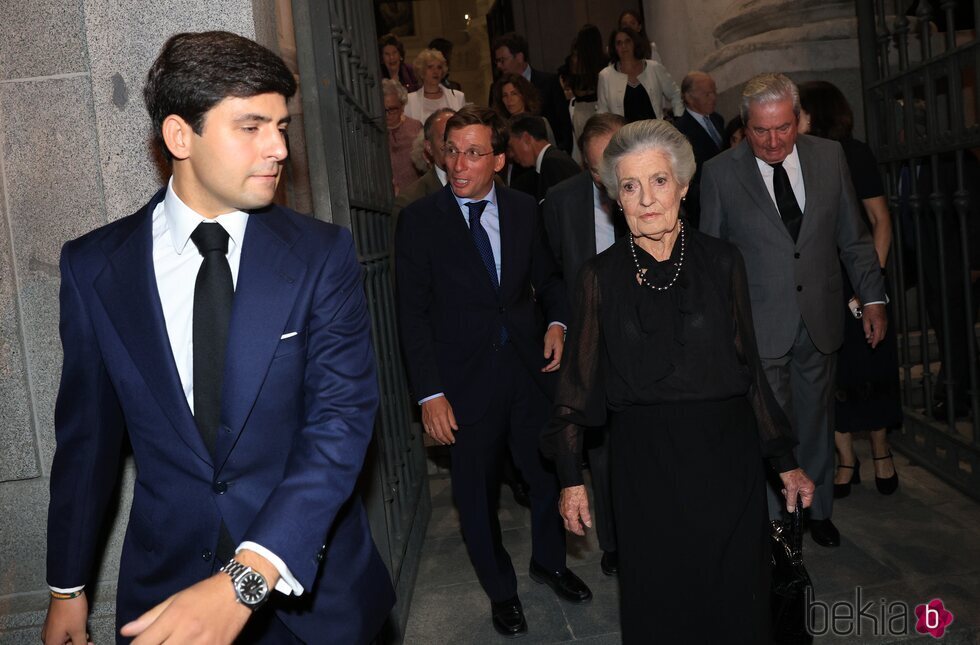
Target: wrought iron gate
919 68
350 176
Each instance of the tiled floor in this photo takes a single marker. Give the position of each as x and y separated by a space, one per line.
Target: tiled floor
923 542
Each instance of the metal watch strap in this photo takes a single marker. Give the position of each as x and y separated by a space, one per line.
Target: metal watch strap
237 571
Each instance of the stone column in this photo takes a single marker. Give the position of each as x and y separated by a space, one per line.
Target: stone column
74 155
733 41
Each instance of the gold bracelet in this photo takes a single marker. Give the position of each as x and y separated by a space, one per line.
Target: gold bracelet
57 595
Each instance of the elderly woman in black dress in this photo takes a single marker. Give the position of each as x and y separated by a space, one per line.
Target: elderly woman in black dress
662 352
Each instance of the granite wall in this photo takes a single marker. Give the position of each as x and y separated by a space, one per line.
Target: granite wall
73 156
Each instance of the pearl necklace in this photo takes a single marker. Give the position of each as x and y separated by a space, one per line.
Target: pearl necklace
641 274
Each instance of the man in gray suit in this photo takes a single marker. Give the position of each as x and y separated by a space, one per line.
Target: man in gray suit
786 200
582 220
434 132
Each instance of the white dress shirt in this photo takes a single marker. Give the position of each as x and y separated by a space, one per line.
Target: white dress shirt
605 231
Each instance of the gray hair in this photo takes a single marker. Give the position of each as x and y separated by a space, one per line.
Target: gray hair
430 123
393 87
640 136
427 56
768 88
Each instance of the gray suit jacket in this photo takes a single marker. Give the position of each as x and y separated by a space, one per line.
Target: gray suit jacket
786 280
569 221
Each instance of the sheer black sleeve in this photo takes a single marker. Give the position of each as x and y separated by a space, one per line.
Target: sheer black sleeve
775 433
581 398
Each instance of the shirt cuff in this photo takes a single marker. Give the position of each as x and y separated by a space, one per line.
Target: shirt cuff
556 322
429 398
66 589
874 302
287 584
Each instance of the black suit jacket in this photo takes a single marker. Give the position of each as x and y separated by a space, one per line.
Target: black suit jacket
569 220
556 167
449 314
704 149
554 107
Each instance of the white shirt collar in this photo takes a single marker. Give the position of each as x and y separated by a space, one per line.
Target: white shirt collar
537 162
441 174
463 201
791 162
527 71
182 220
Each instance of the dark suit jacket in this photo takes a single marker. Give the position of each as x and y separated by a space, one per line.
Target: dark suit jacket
556 166
569 220
449 314
704 149
554 107
297 416
789 280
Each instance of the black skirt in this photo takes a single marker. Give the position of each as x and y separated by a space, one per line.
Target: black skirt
688 486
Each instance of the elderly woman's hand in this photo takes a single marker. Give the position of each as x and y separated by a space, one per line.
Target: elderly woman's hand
574 508
796 481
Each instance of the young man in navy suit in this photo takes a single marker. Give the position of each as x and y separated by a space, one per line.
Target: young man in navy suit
473 275
230 339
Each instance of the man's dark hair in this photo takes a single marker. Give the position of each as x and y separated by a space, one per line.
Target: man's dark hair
599 124
443 45
196 71
514 42
476 115
533 125
431 120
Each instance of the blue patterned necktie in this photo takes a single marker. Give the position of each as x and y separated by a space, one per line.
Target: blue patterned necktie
482 240
712 130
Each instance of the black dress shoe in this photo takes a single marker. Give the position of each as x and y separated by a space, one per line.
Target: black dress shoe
609 563
824 533
508 617
565 584
521 494
843 490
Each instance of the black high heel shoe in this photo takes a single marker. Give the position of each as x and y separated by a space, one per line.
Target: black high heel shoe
843 490
887 485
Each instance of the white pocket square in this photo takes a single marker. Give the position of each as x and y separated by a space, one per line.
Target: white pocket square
289 335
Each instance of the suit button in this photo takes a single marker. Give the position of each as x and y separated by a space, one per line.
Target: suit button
796 255
799 287
220 487
206 555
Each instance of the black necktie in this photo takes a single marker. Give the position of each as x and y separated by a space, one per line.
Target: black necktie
213 294
789 208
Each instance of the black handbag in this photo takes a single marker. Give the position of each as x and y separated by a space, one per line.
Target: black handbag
789 581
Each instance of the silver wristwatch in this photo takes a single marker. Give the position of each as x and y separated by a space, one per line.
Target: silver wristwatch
250 586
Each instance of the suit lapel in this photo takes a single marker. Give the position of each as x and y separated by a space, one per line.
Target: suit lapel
269 279
127 288
748 174
585 226
508 238
813 185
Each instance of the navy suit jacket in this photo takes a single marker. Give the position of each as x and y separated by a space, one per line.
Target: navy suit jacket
449 313
704 149
297 416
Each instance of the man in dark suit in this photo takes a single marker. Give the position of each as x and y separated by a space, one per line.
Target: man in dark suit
467 260
786 200
582 220
511 57
704 128
230 340
528 147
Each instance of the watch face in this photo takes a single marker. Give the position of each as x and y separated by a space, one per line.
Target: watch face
252 588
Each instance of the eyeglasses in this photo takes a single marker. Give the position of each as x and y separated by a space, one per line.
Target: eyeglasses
500 60
392 110
471 155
